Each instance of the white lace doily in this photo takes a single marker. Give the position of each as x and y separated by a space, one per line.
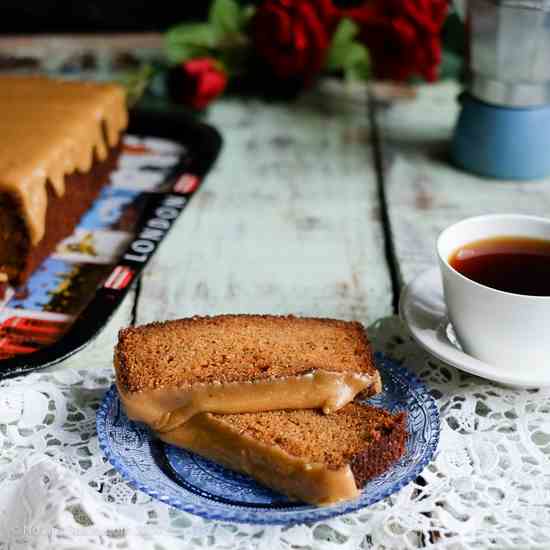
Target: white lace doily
489 485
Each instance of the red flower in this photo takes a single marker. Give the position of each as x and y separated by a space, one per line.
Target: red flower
403 36
292 36
197 82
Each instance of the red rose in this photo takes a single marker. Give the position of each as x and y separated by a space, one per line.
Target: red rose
197 82
403 36
292 36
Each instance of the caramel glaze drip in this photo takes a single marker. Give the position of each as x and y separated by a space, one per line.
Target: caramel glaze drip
295 476
165 409
49 129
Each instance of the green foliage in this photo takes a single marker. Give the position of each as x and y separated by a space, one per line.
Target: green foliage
346 54
225 17
344 35
136 83
190 40
223 36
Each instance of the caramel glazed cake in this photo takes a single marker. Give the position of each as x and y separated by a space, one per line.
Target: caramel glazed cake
59 141
268 396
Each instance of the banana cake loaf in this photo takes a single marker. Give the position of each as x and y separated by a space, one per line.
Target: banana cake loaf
167 372
309 456
59 140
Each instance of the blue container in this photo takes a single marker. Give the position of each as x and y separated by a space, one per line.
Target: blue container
502 142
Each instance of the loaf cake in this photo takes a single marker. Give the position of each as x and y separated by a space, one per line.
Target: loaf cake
59 141
305 454
168 372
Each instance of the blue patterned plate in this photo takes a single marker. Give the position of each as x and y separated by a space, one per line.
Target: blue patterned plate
193 484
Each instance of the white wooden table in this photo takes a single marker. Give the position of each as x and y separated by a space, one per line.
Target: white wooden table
310 210
289 221
326 206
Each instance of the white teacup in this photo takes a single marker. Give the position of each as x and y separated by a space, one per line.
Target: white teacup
501 328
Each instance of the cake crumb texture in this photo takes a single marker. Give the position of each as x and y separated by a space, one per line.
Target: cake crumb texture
367 438
238 348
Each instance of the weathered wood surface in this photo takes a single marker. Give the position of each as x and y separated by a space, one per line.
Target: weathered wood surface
424 192
288 221
63 45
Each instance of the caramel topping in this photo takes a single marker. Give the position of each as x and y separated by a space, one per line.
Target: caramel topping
49 129
309 482
166 409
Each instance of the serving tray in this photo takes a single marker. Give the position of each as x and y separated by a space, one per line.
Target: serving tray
72 295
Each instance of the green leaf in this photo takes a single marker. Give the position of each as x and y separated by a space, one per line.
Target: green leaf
136 82
190 40
346 31
348 55
199 34
357 64
225 17
342 40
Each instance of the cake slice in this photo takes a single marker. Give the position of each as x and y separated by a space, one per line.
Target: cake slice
305 454
168 372
59 140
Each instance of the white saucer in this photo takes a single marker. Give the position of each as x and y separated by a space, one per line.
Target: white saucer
422 308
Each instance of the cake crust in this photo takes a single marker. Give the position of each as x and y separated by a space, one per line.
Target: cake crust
344 437
238 348
168 372
389 448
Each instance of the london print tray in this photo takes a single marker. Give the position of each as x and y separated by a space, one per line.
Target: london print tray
75 291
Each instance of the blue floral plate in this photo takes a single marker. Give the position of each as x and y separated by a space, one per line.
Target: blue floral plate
193 484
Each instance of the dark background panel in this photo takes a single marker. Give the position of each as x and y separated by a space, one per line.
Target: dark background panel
86 16
61 16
